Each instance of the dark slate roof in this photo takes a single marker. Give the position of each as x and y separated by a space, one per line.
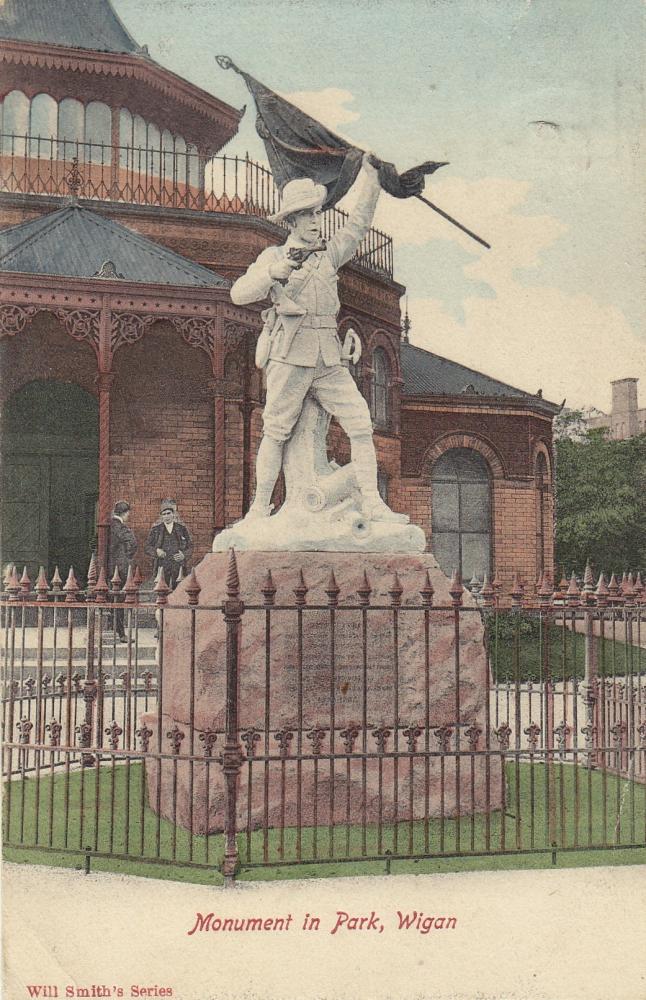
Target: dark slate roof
78 24
425 373
75 242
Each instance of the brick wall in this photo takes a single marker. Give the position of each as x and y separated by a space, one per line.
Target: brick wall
513 435
44 351
162 435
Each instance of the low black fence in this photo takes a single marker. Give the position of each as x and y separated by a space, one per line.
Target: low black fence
305 726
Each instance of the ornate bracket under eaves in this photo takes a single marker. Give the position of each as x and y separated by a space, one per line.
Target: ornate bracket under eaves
197 332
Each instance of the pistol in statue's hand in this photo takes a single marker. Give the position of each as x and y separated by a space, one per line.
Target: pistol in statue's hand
281 270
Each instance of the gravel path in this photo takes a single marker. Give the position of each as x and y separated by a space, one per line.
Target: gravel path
525 935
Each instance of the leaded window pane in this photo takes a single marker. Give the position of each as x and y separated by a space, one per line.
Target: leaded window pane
445 507
475 514
446 549
475 555
461 513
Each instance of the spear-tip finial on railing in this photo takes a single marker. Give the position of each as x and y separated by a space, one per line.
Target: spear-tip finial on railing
364 590
12 585
92 574
101 588
115 582
545 588
573 594
396 590
588 579
516 590
487 593
613 587
42 586
71 587
627 589
427 592
193 589
301 588
130 587
268 589
233 580
25 583
161 588
456 589
602 593
57 582
332 590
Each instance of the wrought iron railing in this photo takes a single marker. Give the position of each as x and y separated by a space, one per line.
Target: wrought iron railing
337 754
162 177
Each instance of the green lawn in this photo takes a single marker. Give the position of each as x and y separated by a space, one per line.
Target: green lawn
541 809
521 648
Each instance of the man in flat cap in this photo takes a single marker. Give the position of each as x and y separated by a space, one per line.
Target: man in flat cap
299 344
122 545
169 544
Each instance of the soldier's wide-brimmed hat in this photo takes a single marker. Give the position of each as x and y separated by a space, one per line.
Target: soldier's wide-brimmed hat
299 195
167 504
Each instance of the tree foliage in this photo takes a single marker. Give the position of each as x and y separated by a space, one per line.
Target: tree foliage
600 501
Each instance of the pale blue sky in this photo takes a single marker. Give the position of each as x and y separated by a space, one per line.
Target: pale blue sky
558 302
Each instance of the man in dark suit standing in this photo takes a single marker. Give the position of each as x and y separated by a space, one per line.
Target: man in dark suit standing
169 544
121 550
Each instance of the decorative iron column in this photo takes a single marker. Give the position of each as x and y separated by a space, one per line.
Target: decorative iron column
104 384
219 422
114 152
231 758
246 409
104 380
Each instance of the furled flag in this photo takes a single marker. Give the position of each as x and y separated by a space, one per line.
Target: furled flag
299 146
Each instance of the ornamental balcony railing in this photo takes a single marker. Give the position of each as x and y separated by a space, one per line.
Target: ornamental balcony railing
162 177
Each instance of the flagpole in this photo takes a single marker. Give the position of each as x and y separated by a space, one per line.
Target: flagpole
454 222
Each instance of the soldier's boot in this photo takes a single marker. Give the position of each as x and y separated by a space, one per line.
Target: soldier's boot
268 465
364 460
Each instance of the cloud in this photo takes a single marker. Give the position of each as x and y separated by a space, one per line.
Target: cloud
489 207
328 106
530 335
533 337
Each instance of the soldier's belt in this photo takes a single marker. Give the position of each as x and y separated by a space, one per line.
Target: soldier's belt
319 322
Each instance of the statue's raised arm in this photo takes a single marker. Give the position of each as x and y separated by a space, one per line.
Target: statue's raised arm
307 380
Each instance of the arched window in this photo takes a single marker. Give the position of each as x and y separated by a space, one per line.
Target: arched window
180 162
43 117
154 151
98 132
126 141
192 167
139 164
15 123
379 396
461 513
71 127
168 158
541 477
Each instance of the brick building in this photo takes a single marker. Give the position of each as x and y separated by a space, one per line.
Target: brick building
626 419
128 372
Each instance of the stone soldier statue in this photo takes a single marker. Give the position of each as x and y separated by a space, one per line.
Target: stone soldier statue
299 344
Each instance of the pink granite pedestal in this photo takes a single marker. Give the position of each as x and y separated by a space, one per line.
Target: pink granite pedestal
359 673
